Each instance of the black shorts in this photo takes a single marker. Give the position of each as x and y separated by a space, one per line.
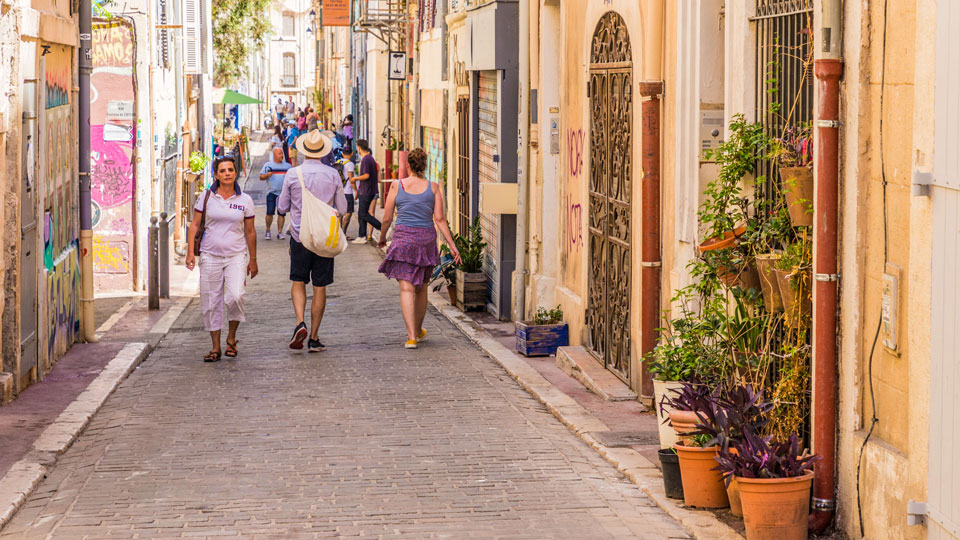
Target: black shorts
350 203
305 264
272 205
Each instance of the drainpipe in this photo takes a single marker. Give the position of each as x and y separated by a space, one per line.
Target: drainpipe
827 69
650 265
88 326
518 296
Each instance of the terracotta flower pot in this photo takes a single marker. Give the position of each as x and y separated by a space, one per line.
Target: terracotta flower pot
702 484
795 295
722 242
768 281
684 423
668 437
745 277
797 185
733 493
775 508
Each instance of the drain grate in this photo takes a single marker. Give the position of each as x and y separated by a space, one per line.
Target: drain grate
620 439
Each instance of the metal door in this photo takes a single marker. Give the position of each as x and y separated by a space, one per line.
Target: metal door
29 270
611 171
488 171
463 164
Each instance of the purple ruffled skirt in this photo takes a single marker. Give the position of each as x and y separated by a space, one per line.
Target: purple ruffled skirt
412 255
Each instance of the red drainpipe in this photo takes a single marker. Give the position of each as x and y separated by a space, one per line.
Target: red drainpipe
650 226
825 287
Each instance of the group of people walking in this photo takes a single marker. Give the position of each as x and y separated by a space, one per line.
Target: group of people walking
223 241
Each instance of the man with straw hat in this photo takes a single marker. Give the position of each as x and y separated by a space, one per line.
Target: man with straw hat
324 183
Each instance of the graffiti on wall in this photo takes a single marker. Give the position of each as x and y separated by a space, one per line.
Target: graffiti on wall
575 139
574 230
573 210
433 144
61 262
112 155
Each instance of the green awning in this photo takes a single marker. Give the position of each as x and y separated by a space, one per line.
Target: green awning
229 97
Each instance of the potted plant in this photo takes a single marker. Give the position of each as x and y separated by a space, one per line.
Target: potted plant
703 485
793 271
448 270
197 163
543 335
774 482
470 281
670 469
793 154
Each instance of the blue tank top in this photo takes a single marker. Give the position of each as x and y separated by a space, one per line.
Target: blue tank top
415 210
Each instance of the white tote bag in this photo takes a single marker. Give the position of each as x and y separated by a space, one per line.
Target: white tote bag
320 229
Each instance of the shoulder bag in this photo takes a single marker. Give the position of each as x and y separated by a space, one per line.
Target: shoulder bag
320 229
203 225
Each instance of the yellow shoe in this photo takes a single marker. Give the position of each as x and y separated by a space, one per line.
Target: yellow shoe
422 335
410 344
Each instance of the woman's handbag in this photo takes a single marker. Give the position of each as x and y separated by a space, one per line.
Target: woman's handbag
203 225
320 228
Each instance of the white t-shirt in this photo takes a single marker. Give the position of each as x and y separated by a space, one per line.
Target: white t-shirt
223 235
348 171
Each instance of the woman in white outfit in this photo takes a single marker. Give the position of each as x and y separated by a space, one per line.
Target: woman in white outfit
228 253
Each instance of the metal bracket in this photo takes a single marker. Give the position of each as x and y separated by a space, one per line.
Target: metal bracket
829 124
916 512
824 505
826 277
651 264
921 183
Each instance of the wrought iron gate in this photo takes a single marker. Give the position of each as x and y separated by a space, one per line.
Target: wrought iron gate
611 170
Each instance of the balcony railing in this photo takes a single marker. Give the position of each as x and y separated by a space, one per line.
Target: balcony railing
288 81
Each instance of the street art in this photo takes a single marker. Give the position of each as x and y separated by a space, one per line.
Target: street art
574 231
112 151
433 140
575 139
61 263
110 257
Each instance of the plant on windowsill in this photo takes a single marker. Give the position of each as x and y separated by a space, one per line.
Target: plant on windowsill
471 283
544 334
196 164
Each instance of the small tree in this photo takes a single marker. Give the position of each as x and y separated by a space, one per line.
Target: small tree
240 27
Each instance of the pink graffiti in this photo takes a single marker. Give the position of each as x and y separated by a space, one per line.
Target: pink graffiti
111 170
574 231
575 138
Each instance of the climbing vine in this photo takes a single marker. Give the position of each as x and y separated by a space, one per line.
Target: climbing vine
240 27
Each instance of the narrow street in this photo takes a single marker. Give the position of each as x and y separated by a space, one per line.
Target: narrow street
364 440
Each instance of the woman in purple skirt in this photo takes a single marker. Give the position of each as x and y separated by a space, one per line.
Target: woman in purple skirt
413 252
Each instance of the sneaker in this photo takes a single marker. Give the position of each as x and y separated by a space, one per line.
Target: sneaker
299 335
422 335
266 235
410 344
314 345
280 236
360 240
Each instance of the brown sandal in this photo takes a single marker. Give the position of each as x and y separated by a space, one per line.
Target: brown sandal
232 349
212 356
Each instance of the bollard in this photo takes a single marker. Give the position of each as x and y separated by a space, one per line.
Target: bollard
153 279
163 251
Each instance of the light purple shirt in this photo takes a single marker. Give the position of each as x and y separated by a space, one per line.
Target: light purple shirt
321 180
223 235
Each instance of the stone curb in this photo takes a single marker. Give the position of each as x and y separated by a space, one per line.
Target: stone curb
24 476
702 525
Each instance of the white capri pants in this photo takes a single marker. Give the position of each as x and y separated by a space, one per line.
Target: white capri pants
223 281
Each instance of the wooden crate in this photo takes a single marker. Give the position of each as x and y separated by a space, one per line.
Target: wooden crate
541 340
471 291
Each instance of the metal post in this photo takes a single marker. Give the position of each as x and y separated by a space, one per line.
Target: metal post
153 279
163 251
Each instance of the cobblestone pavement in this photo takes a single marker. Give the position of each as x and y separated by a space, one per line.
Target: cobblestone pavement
365 440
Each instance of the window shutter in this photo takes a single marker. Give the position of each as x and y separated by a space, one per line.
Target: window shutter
191 37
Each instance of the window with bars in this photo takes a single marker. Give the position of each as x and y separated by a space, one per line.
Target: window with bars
288 25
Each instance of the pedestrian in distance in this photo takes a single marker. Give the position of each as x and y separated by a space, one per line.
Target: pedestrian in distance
302 121
279 109
350 186
290 110
369 188
291 143
274 172
276 140
228 254
306 266
413 253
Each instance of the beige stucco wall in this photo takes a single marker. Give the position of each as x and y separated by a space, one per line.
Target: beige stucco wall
894 467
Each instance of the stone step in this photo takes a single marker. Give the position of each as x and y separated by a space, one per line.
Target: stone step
584 367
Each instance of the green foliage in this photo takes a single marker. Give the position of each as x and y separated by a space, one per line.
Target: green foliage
198 162
471 248
552 316
240 28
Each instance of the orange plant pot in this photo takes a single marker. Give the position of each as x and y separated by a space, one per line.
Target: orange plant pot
733 493
684 423
705 484
775 508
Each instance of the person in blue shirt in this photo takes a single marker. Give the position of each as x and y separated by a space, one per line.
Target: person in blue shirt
292 134
274 173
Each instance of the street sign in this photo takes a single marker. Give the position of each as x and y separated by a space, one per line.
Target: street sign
336 13
398 66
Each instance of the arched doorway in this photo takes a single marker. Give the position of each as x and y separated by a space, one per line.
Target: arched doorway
611 172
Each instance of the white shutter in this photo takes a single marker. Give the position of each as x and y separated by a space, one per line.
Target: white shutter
192 60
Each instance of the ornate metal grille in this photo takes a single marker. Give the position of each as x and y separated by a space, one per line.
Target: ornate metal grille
463 165
611 172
